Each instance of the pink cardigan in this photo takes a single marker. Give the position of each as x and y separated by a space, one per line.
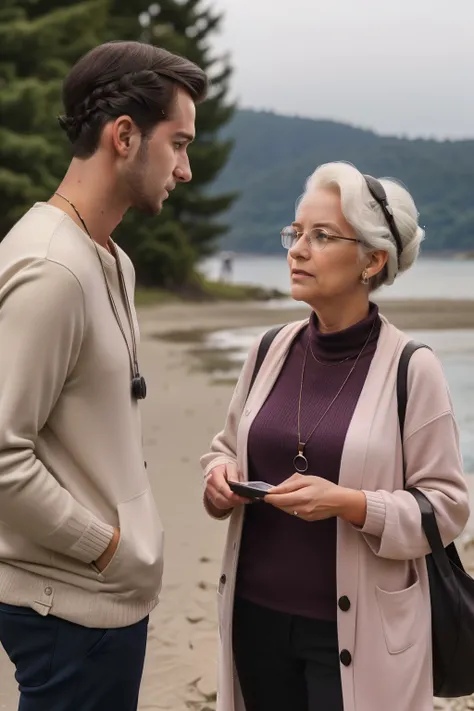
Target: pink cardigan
381 567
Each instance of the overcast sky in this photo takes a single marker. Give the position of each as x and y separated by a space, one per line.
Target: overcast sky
400 67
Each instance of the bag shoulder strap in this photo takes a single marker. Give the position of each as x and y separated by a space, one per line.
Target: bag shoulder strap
263 349
402 380
428 517
430 527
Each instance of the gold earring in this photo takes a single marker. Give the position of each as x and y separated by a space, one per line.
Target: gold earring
365 277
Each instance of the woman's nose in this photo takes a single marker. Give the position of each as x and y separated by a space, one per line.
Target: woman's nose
301 247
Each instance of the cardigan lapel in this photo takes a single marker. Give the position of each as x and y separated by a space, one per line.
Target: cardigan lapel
353 458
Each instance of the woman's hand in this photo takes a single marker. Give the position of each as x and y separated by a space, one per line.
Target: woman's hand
314 499
218 492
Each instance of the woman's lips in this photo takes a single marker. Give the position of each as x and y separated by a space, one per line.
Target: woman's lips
300 274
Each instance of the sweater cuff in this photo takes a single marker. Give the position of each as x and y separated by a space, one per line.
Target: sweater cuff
375 516
93 542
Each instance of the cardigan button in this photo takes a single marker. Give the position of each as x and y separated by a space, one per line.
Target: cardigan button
344 603
223 579
345 657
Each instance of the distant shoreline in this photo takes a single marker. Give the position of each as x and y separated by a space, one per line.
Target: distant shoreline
454 255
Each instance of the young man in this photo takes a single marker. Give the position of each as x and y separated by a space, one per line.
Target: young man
80 538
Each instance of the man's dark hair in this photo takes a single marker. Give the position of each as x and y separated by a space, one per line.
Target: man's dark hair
124 78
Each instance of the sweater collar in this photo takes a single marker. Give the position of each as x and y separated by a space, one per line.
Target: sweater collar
343 344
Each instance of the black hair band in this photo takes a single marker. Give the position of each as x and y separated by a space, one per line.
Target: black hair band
377 191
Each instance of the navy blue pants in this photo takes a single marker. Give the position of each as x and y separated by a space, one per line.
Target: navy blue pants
61 666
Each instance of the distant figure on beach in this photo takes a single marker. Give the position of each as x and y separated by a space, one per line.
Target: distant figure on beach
324 601
81 542
227 265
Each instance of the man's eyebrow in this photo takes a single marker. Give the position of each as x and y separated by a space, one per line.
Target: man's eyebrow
185 135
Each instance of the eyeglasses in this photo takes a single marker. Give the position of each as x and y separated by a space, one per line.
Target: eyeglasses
317 238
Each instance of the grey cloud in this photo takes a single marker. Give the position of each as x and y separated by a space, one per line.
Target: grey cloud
400 67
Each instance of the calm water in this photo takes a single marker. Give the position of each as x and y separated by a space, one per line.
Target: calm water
430 278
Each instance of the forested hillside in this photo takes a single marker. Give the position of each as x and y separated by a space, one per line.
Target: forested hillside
274 154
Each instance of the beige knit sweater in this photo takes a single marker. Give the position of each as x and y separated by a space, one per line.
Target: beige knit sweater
71 461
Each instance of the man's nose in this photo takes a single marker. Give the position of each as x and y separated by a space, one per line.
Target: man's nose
183 172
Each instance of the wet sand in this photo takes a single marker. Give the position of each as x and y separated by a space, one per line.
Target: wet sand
183 411
406 314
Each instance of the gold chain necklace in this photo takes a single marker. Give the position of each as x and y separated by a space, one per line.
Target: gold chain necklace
327 365
300 461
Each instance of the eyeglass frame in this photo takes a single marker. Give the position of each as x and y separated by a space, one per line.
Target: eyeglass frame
329 235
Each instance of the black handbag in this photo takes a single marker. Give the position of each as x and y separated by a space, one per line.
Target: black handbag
451 588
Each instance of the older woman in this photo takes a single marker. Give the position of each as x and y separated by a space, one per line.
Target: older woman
324 599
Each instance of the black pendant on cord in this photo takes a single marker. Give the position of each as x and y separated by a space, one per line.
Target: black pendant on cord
139 387
138 381
300 462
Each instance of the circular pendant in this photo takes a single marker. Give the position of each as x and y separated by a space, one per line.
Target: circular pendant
301 463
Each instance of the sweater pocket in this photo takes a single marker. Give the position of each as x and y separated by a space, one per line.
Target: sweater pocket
136 568
400 614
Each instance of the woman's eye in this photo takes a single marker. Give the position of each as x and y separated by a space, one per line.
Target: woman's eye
320 235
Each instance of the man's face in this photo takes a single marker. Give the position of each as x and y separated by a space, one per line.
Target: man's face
161 159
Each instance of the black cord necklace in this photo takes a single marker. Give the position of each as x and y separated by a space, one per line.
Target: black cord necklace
138 381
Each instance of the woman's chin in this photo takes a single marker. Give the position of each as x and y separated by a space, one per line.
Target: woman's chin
299 292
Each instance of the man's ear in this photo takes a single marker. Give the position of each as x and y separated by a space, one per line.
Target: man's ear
122 133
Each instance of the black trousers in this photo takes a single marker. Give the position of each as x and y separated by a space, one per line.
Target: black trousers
65 667
285 662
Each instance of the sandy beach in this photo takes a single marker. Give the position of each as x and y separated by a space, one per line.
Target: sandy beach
184 409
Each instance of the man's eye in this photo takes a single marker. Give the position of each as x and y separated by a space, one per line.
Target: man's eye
178 145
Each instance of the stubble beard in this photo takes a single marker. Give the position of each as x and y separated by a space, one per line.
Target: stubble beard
139 197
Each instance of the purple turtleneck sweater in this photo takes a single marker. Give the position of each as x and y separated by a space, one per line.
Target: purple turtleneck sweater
285 563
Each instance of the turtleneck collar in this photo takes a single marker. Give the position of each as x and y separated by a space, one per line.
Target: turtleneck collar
346 343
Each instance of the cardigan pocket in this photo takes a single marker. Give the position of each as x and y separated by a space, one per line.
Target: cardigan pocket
400 614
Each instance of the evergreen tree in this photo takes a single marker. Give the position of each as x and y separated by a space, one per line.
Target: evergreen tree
165 249
39 41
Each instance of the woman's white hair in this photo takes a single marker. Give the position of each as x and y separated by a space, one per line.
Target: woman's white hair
365 215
